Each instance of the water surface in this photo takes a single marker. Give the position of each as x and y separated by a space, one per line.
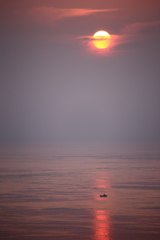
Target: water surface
53 192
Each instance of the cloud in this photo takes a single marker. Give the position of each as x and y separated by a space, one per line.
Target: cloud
129 35
49 15
138 32
138 27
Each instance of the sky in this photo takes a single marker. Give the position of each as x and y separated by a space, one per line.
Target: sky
56 86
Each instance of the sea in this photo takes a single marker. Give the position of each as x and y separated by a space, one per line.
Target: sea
52 191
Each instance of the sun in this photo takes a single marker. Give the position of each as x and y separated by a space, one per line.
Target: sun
101 39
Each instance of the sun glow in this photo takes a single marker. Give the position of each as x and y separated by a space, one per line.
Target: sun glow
101 39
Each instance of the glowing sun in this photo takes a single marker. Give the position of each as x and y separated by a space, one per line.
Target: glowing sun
101 39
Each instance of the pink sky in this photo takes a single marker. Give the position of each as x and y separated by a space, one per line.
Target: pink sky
57 85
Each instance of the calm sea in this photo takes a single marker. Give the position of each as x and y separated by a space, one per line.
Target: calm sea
53 192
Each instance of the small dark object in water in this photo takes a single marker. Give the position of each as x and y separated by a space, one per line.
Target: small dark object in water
104 195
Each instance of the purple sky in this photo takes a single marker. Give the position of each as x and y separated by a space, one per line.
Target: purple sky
55 86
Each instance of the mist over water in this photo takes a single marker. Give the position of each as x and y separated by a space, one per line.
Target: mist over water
53 192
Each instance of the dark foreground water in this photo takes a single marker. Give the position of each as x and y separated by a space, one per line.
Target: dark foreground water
53 192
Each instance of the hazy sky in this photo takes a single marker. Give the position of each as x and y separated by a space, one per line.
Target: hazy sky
55 86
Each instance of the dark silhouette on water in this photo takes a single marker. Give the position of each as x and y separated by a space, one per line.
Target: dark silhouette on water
103 195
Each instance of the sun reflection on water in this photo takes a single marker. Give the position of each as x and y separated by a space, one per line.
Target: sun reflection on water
101 227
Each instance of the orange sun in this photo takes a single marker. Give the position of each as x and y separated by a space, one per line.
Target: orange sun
101 39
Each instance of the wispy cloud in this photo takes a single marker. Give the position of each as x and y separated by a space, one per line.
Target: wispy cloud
138 27
130 34
137 32
49 15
